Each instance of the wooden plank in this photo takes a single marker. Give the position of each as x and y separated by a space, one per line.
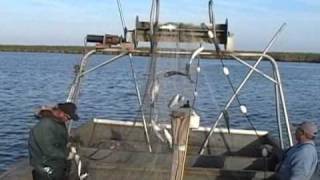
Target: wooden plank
180 130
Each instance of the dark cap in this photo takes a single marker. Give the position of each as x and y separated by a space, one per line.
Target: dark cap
70 109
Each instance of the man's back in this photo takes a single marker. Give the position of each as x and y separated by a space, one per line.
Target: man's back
300 162
47 144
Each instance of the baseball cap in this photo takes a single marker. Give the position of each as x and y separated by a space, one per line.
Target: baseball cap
70 109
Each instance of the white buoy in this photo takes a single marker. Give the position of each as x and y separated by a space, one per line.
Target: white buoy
243 109
155 90
210 34
195 93
226 71
198 69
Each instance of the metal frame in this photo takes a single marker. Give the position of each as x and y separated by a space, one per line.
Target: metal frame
208 33
153 52
75 88
280 99
276 79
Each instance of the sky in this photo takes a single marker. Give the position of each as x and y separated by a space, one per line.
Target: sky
253 22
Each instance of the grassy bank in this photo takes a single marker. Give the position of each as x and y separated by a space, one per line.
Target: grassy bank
40 48
279 56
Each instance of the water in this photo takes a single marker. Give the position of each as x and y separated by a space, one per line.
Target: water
28 80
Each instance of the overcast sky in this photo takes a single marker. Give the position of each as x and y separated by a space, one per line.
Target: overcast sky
66 22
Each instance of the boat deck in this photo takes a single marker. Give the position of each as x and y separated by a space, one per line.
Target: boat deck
117 150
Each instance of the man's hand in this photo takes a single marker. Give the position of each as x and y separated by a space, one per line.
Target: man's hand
72 153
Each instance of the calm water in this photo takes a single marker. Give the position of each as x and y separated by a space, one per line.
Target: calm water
28 80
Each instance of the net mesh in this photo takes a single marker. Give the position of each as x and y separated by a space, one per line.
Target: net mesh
120 149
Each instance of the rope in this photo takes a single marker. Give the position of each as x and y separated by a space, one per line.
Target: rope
140 103
151 83
212 18
123 22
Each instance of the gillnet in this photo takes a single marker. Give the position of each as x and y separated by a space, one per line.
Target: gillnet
145 145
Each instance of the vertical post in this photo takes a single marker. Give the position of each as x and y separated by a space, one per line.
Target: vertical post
278 113
180 121
284 107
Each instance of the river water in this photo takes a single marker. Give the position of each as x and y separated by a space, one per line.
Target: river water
28 80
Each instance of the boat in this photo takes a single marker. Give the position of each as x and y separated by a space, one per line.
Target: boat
167 139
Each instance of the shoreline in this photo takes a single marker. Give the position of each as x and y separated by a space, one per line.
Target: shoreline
279 56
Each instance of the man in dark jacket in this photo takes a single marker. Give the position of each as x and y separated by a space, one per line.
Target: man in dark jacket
48 142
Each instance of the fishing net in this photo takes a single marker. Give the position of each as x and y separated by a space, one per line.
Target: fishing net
139 146
121 149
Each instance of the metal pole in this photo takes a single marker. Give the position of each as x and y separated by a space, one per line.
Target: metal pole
285 113
140 104
75 88
154 19
255 69
123 22
105 63
205 143
212 18
276 88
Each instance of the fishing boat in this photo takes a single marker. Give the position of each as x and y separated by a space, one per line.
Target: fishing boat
167 139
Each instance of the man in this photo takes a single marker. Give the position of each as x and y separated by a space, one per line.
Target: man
48 142
300 161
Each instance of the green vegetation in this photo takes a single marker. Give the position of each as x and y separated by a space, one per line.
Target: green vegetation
279 56
41 48
296 57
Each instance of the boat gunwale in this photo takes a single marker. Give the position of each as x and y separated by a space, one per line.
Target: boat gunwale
168 126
